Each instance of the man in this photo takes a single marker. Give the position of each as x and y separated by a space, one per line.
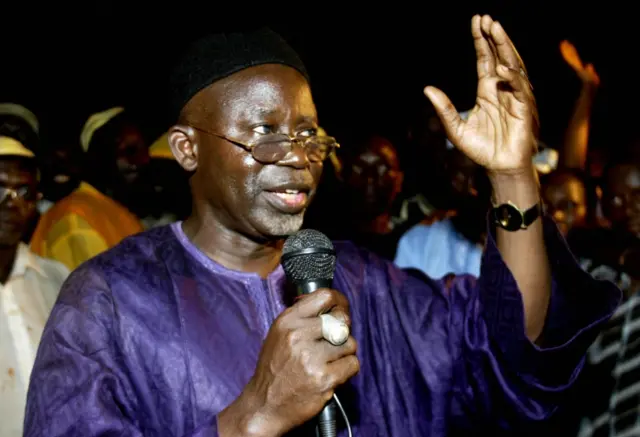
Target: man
184 330
452 238
19 123
564 192
30 284
373 180
167 185
97 216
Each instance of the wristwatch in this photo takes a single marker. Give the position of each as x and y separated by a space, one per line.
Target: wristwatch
510 218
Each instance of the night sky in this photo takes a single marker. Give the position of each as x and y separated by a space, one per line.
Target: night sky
366 64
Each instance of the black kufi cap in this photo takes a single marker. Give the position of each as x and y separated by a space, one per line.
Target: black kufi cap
216 56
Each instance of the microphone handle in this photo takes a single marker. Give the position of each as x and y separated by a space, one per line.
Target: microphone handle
308 287
327 418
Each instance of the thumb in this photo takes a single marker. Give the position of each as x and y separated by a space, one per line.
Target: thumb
448 114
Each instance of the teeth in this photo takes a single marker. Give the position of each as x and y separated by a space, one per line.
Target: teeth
291 191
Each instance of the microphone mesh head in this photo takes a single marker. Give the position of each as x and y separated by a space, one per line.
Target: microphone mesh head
312 266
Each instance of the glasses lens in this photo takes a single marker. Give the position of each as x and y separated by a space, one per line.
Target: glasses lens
27 193
319 148
271 148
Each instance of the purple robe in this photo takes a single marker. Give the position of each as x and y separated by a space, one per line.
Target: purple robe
154 338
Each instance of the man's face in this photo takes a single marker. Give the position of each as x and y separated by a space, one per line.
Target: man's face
374 177
621 197
264 201
132 153
566 201
61 171
16 210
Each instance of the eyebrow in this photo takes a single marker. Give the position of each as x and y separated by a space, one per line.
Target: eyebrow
263 112
268 113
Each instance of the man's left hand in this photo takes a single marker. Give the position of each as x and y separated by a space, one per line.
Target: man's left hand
500 131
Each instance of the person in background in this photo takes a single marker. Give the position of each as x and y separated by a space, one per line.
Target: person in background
372 181
168 184
100 213
30 284
567 192
20 123
564 192
61 168
575 147
452 238
608 393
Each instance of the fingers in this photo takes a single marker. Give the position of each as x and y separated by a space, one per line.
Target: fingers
451 120
334 353
485 25
484 54
507 54
517 81
323 301
571 56
343 369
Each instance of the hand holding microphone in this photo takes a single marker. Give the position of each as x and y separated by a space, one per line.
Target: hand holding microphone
308 351
298 370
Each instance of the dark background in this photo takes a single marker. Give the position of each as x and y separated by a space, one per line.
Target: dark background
367 64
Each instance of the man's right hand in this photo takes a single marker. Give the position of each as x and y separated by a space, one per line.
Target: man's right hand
297 371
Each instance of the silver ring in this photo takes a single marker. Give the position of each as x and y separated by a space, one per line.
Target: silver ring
334 331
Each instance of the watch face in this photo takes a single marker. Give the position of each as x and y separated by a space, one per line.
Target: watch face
508 217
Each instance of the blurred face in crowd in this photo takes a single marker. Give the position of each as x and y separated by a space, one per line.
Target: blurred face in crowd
565 199
61 171
18 196
131 153
621 196
467 182
374 178
234 189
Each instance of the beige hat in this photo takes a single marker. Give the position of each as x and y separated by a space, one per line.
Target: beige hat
12 147
95 122
22 112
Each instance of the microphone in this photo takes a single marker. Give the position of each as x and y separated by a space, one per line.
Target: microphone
309 260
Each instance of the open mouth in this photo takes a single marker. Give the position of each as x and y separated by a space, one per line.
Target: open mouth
288 200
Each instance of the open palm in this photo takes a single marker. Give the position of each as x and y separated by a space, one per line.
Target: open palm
500 131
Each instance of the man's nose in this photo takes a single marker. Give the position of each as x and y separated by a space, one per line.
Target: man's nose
296 158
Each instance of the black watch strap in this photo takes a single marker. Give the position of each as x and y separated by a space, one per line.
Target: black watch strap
509 217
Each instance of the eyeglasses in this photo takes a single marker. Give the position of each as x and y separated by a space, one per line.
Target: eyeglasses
271 148
23 193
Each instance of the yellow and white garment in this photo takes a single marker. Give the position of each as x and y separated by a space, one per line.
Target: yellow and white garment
26 300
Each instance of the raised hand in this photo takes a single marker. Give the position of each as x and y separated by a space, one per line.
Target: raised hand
586 73
500 131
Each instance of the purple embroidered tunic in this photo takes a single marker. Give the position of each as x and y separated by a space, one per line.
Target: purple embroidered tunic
154 338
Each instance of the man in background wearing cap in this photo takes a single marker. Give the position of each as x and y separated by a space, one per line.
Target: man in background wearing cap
30 284
98 215
186 329
20 123
168 184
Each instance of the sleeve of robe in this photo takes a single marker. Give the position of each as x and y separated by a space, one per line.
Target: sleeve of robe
499 378
84 355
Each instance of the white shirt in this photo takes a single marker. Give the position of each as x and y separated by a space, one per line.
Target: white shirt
26 300
437 250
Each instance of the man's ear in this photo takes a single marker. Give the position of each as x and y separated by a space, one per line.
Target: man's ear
184 146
